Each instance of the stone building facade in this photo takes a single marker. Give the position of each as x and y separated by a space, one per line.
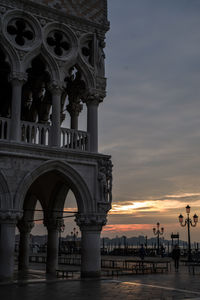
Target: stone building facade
51 65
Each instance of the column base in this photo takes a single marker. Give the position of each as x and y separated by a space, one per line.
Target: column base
91 274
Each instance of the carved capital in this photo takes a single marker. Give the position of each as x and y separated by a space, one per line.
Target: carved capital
74 109
18 77
25 226
10 216
54 224
93 97
56 88
91 221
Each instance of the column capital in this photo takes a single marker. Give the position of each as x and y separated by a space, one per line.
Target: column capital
93 97
25 226
56 87
91 222
54 224
18 77
10 216
74 108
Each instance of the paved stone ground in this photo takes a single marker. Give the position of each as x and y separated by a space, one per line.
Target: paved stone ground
166 286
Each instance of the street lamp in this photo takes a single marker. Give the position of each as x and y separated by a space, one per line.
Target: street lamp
158 232
188 222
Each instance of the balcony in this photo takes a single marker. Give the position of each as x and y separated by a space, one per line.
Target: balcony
39 134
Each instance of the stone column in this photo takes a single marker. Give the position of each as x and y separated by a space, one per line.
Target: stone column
90 226
53 226
8 219
17 81
56 92
92 101
74 110
24 244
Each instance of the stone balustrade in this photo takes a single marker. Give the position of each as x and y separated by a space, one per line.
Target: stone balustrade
39 134
4 128
74 139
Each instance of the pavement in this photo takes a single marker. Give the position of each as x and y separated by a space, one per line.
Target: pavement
163 286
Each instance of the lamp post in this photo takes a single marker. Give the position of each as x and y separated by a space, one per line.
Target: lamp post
158 232
189 223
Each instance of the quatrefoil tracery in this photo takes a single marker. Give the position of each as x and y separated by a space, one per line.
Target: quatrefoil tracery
21 31
59 42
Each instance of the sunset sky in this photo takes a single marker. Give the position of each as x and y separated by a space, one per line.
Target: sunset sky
150 119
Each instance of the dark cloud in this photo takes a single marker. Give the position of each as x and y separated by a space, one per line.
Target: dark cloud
150 120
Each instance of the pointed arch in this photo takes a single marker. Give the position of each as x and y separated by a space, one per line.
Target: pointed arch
52 66
70 175
87 72
11 55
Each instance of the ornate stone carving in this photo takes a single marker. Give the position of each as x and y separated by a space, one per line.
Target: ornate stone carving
87 51
20 31
74 90
105 180
56 87
10 216
91 221
25 226
100 60
94 97
58 42
2 10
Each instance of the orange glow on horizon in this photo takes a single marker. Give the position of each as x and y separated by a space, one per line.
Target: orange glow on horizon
127 227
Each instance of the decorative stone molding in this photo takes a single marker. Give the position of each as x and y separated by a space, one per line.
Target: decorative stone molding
10 216
25 226
22 30
18 76
91 221
105 180
55 87
60 40
74 109
93 97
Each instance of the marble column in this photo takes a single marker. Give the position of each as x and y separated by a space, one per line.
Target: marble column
8 219
56 92
17 81
53 227
25 228
90 226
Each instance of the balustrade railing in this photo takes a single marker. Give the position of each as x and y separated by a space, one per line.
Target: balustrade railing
35 133
4 128
74 139
39 134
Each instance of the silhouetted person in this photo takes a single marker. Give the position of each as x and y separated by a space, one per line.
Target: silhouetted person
176 253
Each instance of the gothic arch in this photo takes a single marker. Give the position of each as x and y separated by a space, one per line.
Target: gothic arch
52 66
85 70
5 196
11 55
76 182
